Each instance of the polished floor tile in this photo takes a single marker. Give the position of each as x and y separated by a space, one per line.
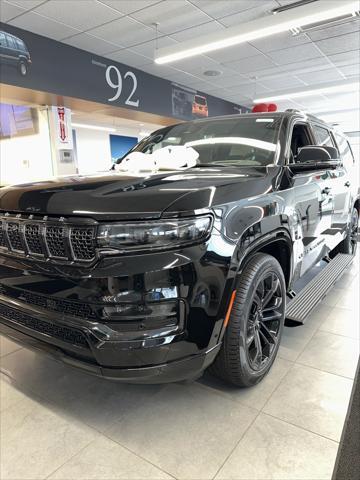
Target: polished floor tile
105 459
257 395
35 441
273 449
9 394
314 400
331 353
7 346
294 340
342 321
186 430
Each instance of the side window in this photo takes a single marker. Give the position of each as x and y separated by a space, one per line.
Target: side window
345 151
20 44
323 136
2 39
301 137
11 42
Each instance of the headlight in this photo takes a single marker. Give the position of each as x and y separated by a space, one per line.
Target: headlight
154 234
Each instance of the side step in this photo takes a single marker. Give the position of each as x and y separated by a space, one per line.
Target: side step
306 300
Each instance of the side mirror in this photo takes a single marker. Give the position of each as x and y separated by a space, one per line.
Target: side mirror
314 157
313 154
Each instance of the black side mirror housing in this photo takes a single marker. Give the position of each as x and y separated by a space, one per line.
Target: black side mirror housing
313 154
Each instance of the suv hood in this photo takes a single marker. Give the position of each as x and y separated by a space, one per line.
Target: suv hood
117 195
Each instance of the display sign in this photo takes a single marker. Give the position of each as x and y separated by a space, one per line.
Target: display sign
62 125
33 61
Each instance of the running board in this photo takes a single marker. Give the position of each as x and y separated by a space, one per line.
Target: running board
308 298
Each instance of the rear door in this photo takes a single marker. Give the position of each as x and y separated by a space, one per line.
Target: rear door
313 202
340 184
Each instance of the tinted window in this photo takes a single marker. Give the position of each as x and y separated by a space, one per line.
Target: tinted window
20 44
236 141
345 150
11 42
323 136
2 38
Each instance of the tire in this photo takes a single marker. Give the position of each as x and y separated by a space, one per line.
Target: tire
23 69
349 244
239 362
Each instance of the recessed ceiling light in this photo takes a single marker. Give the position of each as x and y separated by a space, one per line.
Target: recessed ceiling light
260 28
212 73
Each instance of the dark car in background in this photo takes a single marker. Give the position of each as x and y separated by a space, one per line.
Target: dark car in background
13 51
155 276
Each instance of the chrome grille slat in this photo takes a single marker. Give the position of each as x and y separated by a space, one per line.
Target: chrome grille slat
48 238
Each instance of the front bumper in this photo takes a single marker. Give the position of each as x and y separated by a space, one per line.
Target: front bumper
86 347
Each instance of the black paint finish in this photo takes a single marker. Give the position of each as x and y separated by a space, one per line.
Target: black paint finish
158 316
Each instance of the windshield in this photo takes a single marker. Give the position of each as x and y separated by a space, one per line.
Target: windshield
240 141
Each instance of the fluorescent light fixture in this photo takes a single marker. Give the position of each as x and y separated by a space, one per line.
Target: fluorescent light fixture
93 127
323 89
260 28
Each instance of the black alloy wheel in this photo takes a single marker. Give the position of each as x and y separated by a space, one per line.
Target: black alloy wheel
264 321
252 337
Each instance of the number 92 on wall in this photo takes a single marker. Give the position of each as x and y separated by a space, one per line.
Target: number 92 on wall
115 80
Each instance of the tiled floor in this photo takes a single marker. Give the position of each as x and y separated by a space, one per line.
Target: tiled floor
59 423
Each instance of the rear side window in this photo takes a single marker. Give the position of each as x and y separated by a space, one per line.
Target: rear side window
20 44
345 151
323 136
2 39
11 42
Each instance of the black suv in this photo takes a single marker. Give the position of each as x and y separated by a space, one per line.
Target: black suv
153 277
13 51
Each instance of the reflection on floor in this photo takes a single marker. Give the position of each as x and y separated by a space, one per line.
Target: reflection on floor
59 423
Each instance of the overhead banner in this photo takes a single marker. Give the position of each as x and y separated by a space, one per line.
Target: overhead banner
36 62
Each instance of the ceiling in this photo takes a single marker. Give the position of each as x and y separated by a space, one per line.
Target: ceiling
130 31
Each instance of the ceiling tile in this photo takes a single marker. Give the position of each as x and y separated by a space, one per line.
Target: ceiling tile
125 30
197 65
280 41
193 32
27 4
127 7
43 26
91 44
148 48
83 15
226 82
9 11
223 7
282 81
326 75
262 9
342 43
171 16
336 30
345 58
351 70
234 53
250 65
128 57
299 53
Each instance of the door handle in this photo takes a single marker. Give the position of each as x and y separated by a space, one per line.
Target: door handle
326 190
347 184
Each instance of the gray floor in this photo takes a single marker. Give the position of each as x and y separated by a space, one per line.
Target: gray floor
61 424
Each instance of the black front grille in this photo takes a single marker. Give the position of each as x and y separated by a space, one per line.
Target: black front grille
65 334
33 238
82 241
14 235
48 237
56 240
